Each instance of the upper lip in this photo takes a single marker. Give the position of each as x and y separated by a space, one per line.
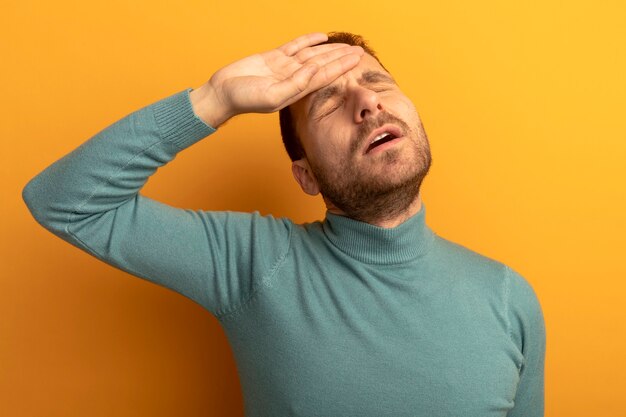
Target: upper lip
393 129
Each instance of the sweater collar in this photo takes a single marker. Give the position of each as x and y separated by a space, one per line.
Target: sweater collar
378 245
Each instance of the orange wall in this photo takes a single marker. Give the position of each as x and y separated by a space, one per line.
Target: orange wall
524 106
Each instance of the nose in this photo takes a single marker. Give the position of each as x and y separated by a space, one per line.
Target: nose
366 104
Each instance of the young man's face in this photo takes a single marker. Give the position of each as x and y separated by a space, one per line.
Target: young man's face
337 125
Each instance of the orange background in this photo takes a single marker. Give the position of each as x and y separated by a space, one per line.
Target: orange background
524 106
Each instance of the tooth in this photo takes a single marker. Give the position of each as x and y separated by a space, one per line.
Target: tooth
379 137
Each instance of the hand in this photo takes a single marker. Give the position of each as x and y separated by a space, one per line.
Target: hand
266 82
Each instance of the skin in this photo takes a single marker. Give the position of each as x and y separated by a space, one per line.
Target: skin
268 81
291 75
335 138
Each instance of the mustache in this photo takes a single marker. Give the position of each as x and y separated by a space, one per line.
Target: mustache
370 124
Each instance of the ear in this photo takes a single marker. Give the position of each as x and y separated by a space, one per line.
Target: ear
303 175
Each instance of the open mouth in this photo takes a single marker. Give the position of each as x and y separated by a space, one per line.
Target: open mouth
381 139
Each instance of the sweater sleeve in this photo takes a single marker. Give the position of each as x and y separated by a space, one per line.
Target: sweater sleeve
527 329
90 198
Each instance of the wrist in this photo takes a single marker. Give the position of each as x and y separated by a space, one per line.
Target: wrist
207 106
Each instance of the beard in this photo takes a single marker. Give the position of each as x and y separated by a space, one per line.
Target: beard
374 196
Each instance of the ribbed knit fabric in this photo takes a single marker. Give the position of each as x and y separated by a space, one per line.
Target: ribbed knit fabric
404 243
331 318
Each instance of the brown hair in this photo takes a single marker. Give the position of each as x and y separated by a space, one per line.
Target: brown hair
291 140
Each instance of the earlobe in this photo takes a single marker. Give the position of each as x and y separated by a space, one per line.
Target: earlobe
303 175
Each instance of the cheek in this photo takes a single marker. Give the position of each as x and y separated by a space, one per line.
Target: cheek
409 108
330 143
408 113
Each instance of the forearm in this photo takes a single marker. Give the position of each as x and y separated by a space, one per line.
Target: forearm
90 198
112 166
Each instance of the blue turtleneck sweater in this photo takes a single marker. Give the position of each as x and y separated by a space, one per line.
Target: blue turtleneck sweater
332 318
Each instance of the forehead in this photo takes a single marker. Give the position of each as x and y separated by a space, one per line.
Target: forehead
367 63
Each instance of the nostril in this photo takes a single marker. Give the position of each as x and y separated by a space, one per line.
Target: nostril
364 111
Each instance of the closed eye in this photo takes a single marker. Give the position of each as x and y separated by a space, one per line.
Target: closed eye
331 110
376 89
380 89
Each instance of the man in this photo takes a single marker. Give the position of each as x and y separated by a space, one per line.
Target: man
366 313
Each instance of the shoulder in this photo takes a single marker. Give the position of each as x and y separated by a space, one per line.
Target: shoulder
248 234
522 308
467 262
485 272
249 223
524 311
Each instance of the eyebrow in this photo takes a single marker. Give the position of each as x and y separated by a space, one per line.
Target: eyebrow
326 93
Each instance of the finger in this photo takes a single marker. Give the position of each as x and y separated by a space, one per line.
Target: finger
312 77
293 86
328 57
310 52
333 70
292 47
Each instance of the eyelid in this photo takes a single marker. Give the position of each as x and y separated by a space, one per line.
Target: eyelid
383 87
333 108
374 88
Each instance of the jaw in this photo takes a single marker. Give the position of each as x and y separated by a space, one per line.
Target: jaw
380 189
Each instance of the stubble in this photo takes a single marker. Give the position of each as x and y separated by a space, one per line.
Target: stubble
374 198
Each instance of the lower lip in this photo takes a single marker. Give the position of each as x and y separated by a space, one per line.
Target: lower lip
386 145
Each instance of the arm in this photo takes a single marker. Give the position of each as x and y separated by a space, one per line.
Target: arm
90 197
529 334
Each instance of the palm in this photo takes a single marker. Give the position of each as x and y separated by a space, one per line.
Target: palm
269 81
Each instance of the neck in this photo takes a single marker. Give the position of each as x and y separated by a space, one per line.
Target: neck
386 222
380 245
